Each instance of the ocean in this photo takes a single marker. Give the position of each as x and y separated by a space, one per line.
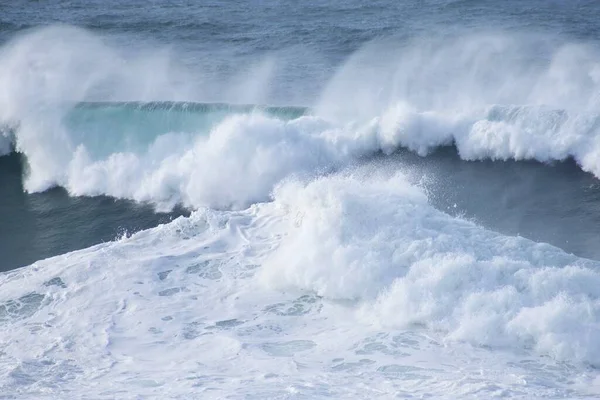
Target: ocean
300 200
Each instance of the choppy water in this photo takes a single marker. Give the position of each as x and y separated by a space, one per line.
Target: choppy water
299 200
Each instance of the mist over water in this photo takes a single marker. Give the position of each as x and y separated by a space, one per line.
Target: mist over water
494 96
401 204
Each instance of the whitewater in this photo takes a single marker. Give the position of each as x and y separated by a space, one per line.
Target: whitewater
313 264
535 111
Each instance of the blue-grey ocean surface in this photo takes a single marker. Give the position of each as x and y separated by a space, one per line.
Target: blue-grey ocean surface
385 199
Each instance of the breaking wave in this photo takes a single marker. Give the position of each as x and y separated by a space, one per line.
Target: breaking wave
81 120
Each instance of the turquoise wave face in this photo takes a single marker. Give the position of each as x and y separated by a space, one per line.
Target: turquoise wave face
109 127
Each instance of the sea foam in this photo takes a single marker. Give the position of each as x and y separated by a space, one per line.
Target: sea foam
347 285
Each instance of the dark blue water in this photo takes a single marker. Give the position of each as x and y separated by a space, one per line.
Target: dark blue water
40 225
557 203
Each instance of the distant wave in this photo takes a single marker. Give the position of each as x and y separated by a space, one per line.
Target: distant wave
195 154
484 95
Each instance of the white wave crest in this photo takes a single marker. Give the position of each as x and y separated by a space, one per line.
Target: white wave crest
236 164
487 95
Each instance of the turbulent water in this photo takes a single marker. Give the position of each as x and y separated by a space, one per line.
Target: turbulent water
314 200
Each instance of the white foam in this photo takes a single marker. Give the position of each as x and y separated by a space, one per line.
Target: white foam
378 239
236 164
349 285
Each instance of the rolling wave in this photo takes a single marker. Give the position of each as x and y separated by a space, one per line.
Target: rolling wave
169 153
95 122
89 120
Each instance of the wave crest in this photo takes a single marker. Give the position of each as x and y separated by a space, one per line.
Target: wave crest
83 123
